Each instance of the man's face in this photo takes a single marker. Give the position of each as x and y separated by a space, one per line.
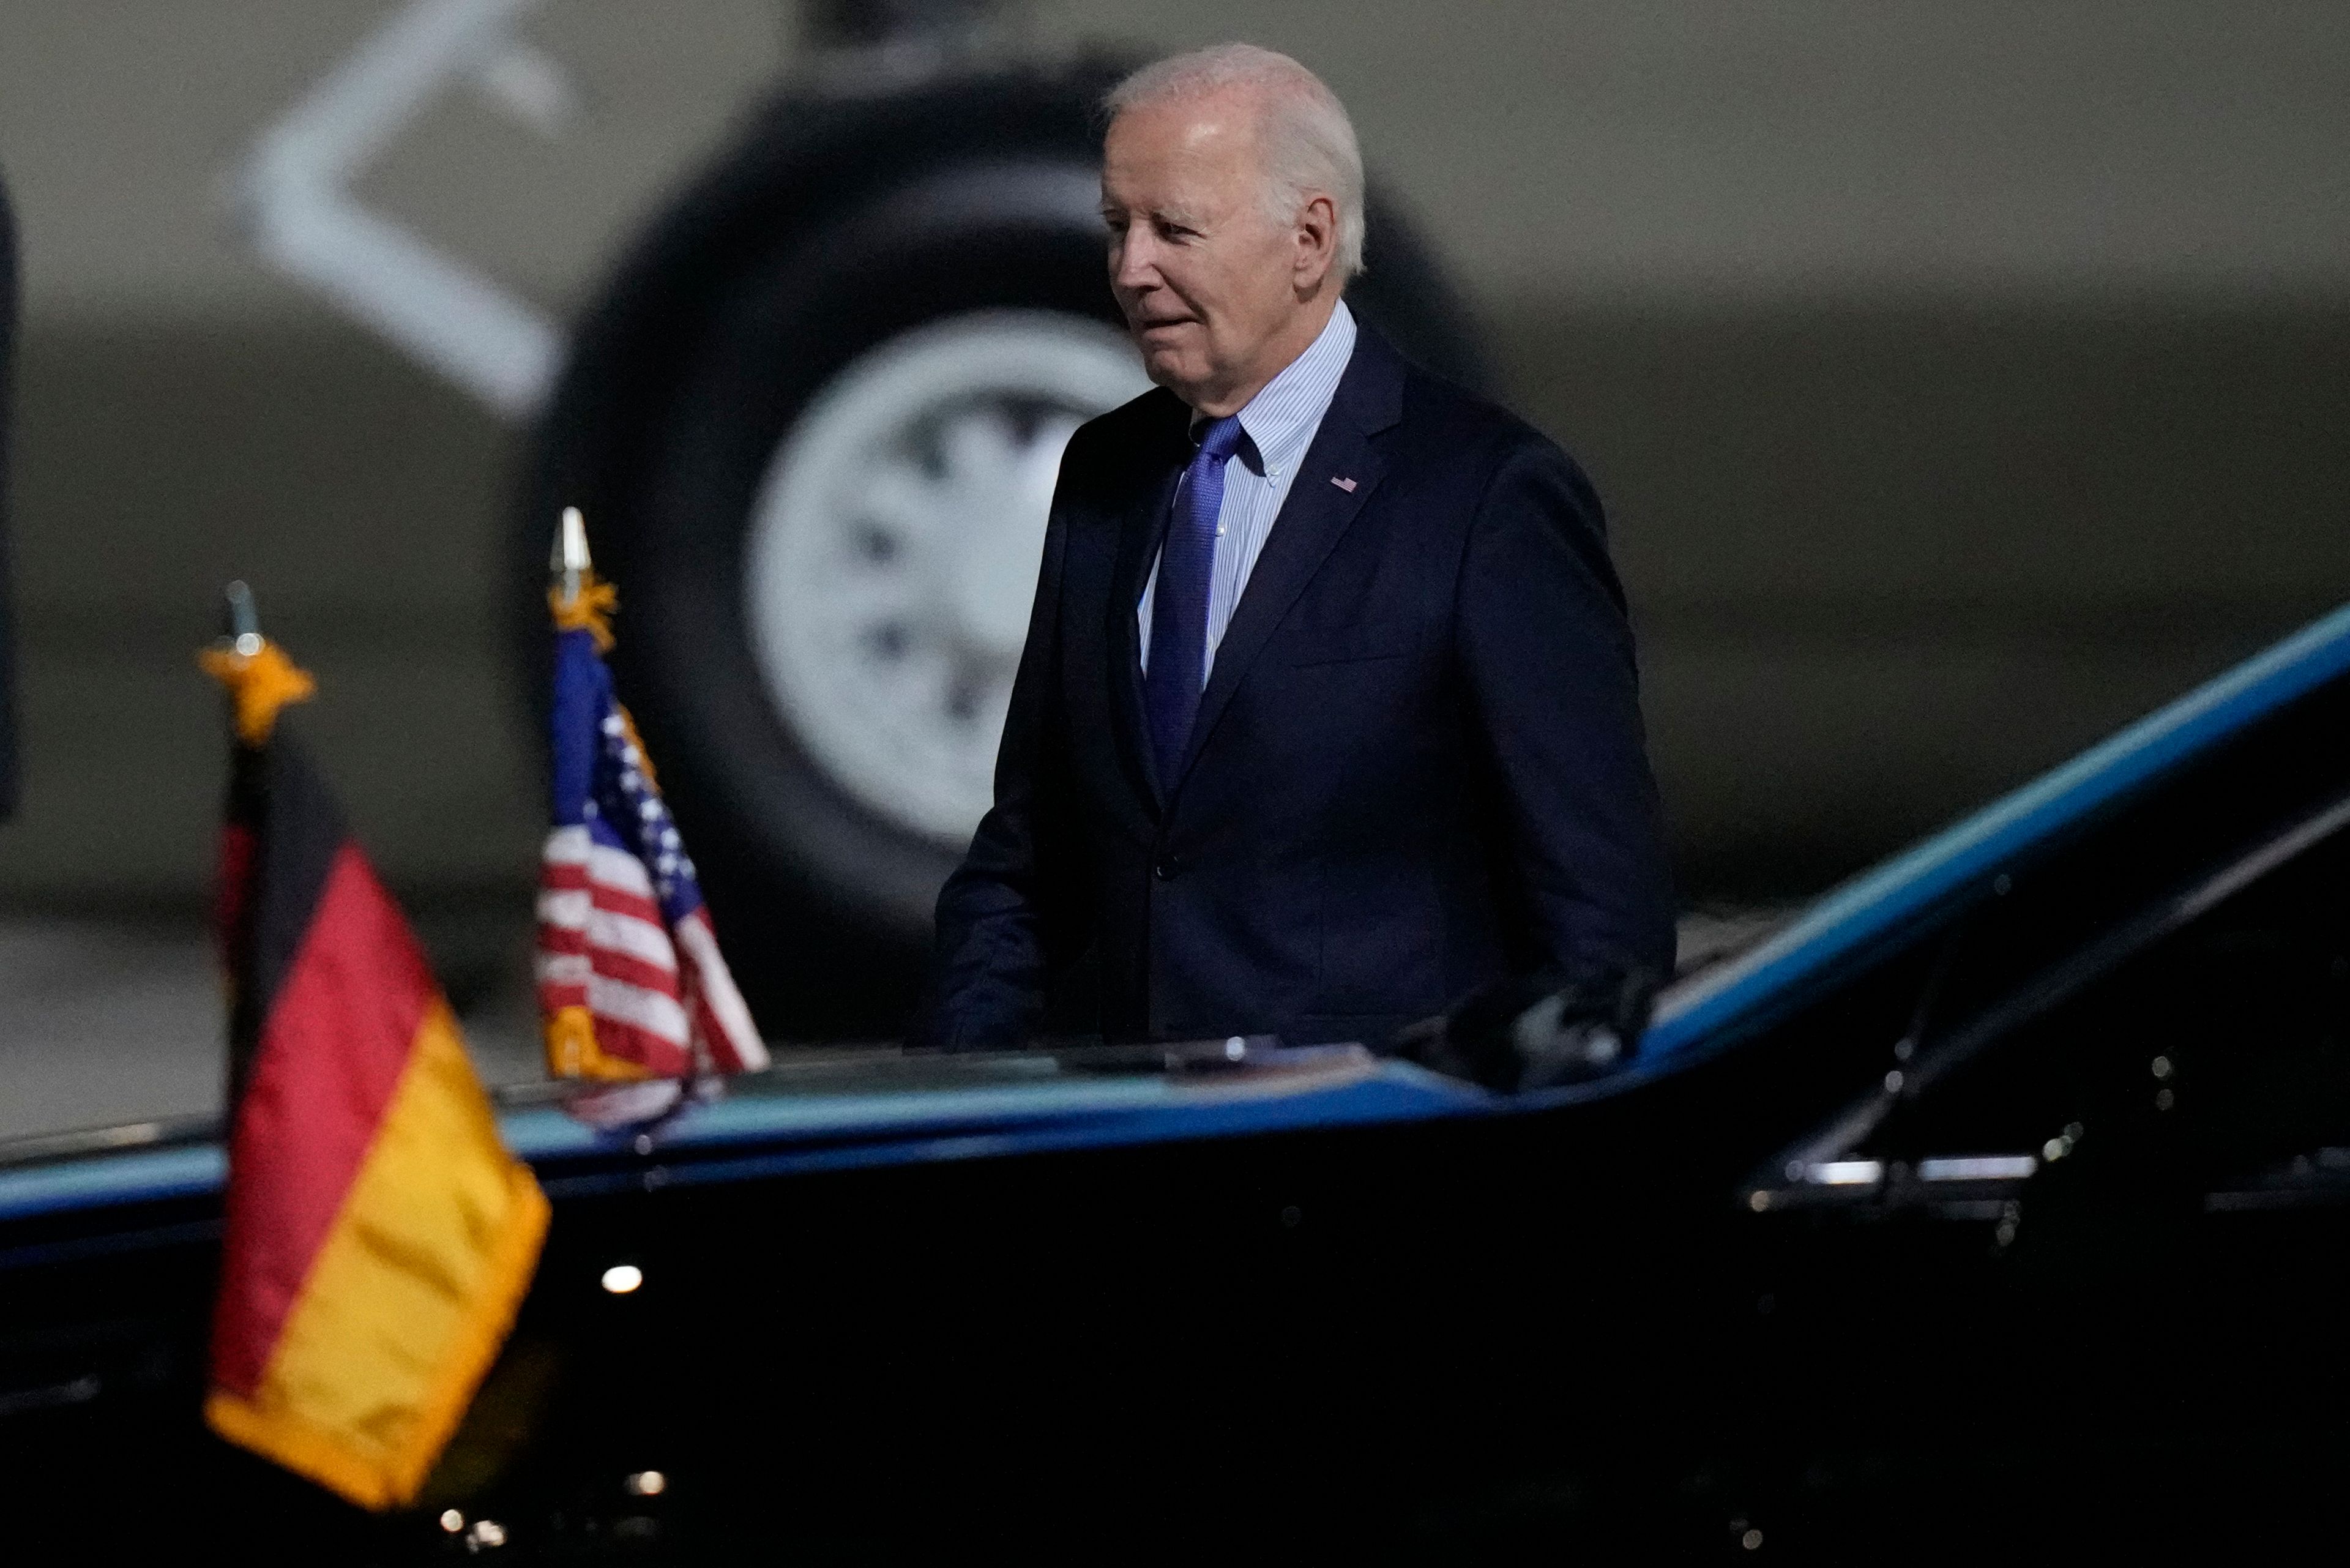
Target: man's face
1207 281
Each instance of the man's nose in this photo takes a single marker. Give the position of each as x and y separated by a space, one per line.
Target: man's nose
1133 266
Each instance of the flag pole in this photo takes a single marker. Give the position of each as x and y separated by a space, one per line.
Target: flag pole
242 617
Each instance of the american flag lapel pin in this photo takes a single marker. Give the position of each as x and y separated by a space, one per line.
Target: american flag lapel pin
1345 484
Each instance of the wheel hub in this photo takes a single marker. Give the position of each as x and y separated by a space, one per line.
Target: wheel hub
894 546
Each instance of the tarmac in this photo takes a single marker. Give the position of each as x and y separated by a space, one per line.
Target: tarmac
108 1021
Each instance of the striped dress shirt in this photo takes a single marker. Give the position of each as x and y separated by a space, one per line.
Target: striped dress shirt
1276 427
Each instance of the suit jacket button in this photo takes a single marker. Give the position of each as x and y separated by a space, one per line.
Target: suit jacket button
1166 869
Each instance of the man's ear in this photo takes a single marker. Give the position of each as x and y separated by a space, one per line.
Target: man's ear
1317 246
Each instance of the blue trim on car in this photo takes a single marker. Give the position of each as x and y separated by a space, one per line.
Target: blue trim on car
1103 1115
778 1133
1720 1006
1141 1107
148 1176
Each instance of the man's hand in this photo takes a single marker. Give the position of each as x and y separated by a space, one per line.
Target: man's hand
1535 1032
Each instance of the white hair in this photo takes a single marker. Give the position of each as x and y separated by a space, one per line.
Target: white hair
1308 143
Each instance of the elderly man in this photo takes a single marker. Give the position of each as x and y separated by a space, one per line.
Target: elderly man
1327 714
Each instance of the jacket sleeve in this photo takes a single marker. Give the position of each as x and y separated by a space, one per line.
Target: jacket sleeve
990 967
1548 651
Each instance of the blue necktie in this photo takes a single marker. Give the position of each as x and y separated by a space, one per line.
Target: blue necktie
1179 609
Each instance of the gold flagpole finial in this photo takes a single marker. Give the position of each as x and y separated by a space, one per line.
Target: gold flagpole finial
579 601
570 563
258 676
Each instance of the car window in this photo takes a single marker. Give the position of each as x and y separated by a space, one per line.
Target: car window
2208 1060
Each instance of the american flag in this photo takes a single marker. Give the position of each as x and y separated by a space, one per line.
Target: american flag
630 980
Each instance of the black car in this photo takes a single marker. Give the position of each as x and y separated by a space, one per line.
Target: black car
1995 1203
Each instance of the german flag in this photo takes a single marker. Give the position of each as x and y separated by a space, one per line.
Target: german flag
379 1237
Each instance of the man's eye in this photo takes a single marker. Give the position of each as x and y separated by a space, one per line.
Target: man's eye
1176 232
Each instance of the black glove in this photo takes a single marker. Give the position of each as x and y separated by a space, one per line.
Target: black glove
1535 1032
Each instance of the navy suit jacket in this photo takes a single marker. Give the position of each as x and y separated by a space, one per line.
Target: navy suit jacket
1417 764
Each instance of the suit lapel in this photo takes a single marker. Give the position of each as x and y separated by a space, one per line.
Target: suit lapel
1313 517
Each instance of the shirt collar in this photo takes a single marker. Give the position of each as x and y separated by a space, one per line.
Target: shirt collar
1286 410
